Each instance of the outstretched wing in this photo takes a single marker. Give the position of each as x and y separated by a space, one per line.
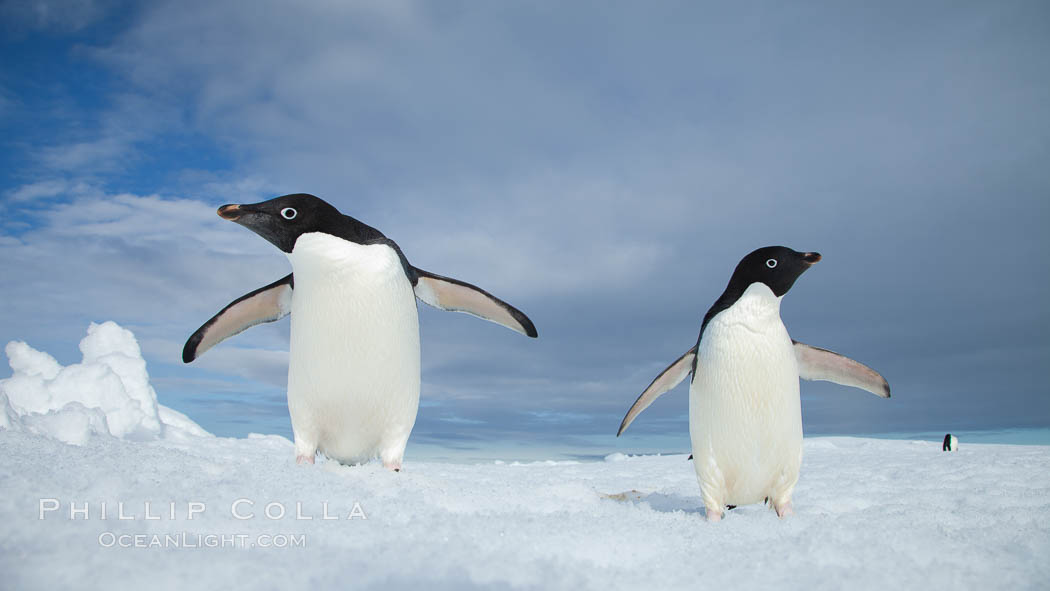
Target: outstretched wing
265 304
669 378
815 363
454 295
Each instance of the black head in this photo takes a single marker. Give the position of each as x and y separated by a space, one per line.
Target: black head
776 266
282 220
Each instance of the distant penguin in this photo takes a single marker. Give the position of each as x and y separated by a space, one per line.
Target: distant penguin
951 443
354 362
745 417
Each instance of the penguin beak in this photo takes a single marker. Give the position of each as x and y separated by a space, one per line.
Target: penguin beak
811 258
230 212
258 220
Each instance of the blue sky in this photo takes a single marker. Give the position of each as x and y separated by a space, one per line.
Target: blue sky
601 165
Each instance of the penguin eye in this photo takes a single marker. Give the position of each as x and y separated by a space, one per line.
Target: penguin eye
288 213
771 263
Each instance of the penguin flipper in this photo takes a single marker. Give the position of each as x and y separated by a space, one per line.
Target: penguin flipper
265 304
669 378
815 363
457 296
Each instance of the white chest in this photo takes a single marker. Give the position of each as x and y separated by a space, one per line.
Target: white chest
746 348
352 293
353 373
744 409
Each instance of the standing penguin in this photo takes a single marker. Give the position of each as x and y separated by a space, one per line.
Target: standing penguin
353 371
951 443
745 415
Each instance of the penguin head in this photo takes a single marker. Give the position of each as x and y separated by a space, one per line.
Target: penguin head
776 266
282 220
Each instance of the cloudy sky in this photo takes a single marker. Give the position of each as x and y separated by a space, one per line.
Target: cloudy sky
601 165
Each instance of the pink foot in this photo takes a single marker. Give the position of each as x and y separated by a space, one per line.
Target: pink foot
304 459
784 510
395 466
713 515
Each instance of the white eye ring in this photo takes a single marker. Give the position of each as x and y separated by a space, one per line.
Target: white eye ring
771 263
288 213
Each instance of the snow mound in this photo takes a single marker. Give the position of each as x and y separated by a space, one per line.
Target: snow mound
107 393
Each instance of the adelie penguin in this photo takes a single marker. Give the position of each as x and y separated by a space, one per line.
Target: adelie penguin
745 415
354 362
951 443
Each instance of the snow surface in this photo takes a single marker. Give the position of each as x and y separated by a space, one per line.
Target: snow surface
870 513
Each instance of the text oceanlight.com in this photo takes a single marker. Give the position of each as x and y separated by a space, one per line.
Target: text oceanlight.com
108 539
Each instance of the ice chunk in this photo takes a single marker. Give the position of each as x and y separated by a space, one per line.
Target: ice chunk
74 423
178 425
27 360
8 416
107 393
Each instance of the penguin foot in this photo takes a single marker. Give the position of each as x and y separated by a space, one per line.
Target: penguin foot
784 510
304 459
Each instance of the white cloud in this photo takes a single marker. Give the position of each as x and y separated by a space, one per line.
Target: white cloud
42 189
53 15
107 141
